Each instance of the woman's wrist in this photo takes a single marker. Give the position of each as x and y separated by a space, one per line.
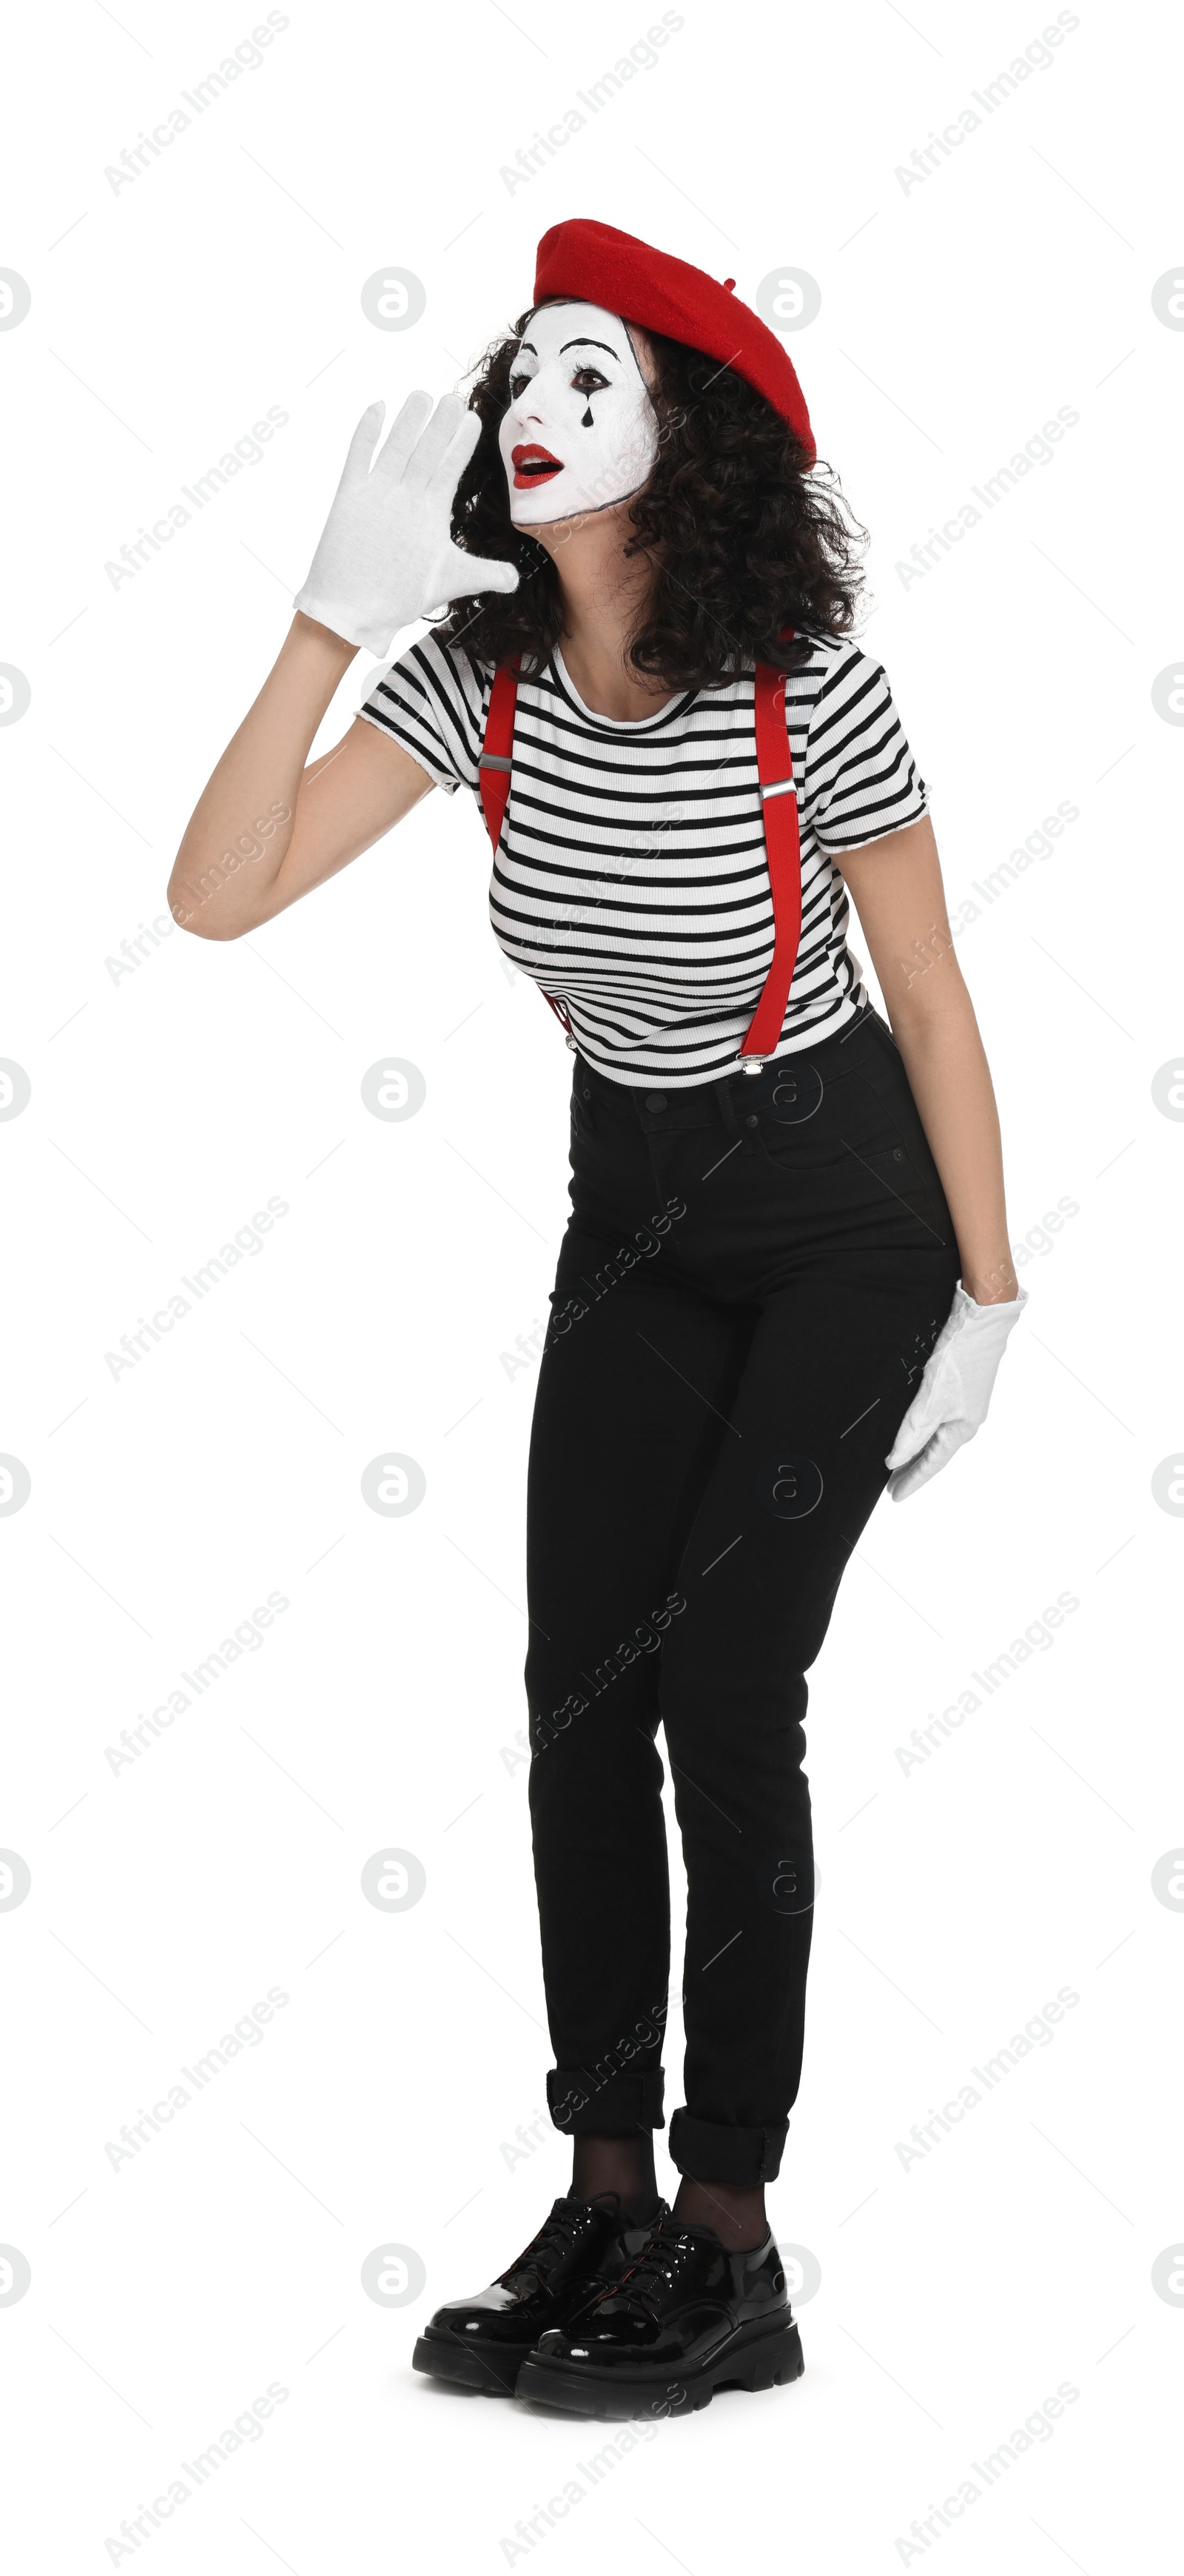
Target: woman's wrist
995 1285
324 641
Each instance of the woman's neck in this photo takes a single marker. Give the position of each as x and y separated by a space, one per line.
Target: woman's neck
603 592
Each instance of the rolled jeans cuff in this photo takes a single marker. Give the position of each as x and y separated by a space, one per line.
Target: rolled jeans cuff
708 2151
617 2108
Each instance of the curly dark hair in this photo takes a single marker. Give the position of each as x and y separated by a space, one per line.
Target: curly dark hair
743 537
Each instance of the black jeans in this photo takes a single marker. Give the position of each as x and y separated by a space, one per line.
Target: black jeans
752 1278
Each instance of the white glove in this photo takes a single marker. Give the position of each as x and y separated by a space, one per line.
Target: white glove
951 1402
386 556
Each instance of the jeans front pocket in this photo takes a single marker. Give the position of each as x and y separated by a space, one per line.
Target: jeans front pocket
892 1174
843 1136
808 1125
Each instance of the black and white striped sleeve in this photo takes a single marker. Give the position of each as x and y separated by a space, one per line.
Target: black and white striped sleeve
861 778
431 702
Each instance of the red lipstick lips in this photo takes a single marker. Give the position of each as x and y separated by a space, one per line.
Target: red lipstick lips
533 464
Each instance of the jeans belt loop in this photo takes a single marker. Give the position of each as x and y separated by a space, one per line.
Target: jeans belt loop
728 1112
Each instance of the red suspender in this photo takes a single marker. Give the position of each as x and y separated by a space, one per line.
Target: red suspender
779 806
495 762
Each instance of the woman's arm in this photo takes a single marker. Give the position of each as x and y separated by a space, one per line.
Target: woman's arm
895 885
265 829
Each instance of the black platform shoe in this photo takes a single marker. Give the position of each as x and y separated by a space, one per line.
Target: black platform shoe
579 2252
688 2318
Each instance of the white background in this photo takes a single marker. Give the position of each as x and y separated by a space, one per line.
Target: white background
168 1103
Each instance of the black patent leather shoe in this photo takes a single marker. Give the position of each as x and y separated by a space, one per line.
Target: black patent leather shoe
688 2318
579 2252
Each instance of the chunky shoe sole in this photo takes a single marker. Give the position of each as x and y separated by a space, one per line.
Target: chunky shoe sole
755 2356
494 2368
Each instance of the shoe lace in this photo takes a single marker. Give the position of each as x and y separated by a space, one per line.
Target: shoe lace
660 2260
546 2250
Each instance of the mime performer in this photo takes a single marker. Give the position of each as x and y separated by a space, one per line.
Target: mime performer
785 1281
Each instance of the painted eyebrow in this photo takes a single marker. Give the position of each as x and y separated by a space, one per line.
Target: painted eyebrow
572 344
589 344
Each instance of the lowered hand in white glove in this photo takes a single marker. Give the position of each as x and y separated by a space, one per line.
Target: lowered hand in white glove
387 555
950 1404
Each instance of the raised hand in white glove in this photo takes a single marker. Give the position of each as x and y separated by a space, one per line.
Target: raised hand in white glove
950 1404
387 556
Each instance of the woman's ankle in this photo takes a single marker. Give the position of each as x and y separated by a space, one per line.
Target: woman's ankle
624 2165
736 2212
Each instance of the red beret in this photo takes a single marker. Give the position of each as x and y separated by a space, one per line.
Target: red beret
601 266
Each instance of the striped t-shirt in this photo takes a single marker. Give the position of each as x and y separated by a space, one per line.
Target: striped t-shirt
631 880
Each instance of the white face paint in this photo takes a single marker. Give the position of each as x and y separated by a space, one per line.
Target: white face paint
581 431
